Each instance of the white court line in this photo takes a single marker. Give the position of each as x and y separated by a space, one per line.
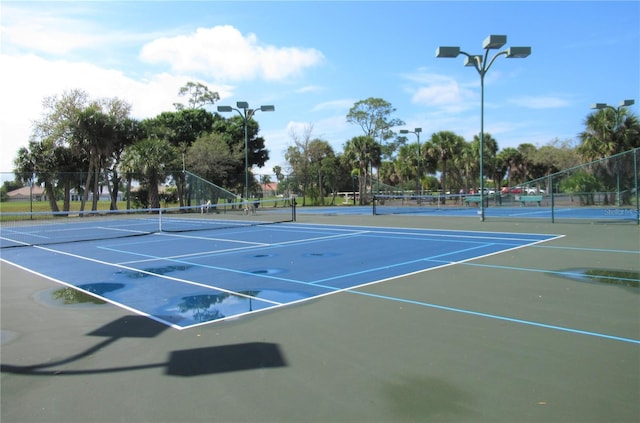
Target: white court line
226 250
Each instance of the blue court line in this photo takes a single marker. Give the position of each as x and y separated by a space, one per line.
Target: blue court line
497 317
597 250
553 272
425 259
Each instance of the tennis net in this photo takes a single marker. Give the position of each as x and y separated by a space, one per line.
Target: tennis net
399 204
45 228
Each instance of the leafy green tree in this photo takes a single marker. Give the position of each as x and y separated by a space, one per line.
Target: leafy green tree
198 95
211 157
298 157
257 153
583 184
181 128
374 117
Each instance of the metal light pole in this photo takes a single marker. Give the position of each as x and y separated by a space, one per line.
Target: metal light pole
416 131
246 114
482 65
616 111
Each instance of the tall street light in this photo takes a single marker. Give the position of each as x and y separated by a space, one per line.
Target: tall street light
416 131
482 65
246 114
616 111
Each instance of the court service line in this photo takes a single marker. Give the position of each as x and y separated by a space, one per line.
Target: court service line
204 254
498 317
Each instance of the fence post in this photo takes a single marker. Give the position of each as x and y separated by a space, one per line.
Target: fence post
550 188
635 174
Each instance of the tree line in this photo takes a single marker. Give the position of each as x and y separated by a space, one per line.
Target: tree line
86 145
445 162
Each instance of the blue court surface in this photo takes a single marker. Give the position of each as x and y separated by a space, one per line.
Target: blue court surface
189 279
604 214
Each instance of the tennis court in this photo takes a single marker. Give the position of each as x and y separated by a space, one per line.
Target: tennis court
334 317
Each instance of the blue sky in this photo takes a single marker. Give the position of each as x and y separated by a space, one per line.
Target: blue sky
314 60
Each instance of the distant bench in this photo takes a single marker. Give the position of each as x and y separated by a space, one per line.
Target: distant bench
473 199
524 199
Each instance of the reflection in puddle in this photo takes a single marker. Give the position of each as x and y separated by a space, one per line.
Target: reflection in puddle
625 279
73 296
194 309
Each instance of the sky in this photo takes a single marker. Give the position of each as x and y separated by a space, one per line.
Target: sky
314 60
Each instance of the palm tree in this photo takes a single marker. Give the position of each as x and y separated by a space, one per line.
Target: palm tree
362 151
511 158
527 153
445 146
93 136
609 132
152 158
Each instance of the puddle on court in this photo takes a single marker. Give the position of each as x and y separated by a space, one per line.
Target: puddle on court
70 296
320 255
194 309
267 271
621 278
262 255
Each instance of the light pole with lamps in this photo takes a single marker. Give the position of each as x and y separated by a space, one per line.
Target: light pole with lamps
417 132
246 114
616 111
482 65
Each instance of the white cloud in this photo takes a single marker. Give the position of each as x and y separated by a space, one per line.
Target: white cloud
222 52
26 80
309 89
541 102
47 32
338 105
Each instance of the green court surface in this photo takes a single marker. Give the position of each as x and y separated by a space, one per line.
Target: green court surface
518 336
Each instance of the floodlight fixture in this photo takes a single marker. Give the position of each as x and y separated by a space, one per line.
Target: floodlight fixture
246 114
627 103
518 52
473 60
482 63
493 42
448 52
